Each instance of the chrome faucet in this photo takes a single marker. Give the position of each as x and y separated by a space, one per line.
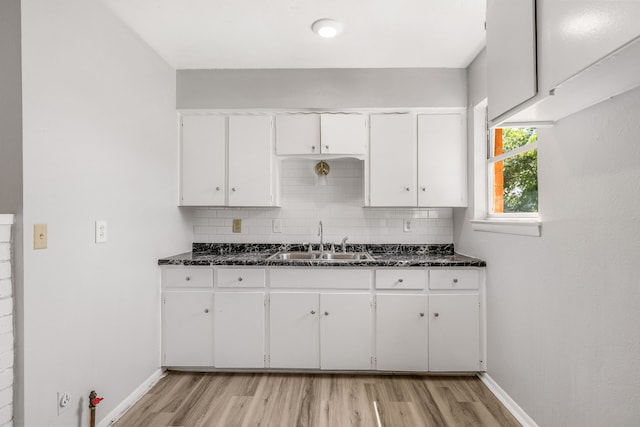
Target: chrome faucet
344 243
321 234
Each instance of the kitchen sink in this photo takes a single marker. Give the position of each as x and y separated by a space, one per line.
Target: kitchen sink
321 256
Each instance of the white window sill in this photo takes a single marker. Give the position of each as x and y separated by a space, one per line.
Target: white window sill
523 227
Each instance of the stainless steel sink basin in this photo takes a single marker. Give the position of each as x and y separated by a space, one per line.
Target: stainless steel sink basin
321 256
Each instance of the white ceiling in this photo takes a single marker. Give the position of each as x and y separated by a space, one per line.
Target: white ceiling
201 34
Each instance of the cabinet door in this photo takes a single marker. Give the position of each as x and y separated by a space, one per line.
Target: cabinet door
239 330
297 134
203 160
402 339
511 54
294 330
344 133
454 332
250 161
188 328
345 331
392 152
442 170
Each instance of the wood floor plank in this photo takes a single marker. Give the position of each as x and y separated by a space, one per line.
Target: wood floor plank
184 399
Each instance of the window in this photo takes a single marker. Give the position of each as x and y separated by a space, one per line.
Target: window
513 173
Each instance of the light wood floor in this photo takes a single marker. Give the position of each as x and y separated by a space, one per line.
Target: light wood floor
189 399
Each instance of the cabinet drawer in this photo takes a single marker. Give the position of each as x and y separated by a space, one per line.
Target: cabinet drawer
401 278
191 277
454 279
326 278
241 278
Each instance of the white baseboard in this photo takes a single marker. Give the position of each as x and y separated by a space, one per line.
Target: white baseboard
127 403
515 409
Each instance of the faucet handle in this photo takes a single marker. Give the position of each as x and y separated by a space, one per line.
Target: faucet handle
333 248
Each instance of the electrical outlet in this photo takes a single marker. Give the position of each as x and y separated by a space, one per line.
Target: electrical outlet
237 226
406 226
276 226
101 231
64 402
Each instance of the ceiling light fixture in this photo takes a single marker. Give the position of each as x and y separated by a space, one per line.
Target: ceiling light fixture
326 27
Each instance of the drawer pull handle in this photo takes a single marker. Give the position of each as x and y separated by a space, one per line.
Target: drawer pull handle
187 278
400 280
455 280
206 310
313 312
239 279
421 314
436 314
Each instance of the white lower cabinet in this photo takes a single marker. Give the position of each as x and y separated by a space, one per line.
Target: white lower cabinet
239 330
326 331
454 332
345 331
294 330
188 328
324 318
402 329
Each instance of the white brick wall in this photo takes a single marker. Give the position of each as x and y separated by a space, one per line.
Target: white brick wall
6 323
338 205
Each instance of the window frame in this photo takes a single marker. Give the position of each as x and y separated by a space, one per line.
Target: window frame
490 176
523 224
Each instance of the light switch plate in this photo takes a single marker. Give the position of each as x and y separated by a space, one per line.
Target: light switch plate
237 226
406 226
101 231
40 236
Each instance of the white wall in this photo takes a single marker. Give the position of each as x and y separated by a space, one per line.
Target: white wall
562 309
322 88
100 142
338 205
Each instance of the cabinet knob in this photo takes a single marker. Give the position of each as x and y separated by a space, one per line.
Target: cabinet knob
239 279
326 313
313 148
400 280
187 278
424 188
217 188
455 280
436 314
421 314
326 147
233 188
206 310
313 312
407 189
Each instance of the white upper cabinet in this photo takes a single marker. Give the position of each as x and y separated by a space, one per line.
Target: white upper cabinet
344 133
227 161
511 54
442 165
203 160
297 134
321 134
392 163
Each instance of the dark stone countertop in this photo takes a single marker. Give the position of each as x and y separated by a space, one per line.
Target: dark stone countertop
384 255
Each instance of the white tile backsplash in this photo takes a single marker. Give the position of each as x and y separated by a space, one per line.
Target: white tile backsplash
338 205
